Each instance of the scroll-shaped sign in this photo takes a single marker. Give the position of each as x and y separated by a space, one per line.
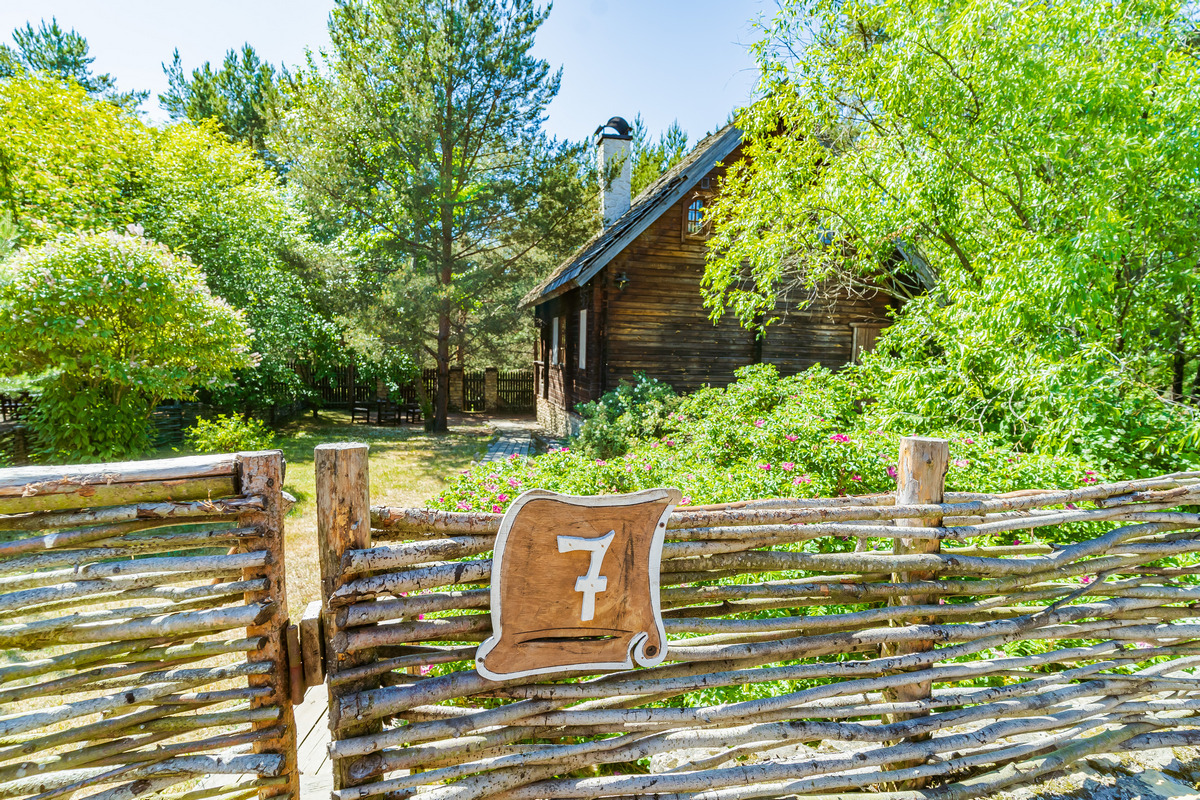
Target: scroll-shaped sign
575 584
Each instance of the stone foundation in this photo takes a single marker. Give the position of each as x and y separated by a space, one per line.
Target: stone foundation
556 420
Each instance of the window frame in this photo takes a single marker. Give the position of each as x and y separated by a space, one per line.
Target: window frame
703 197
583 338
555 334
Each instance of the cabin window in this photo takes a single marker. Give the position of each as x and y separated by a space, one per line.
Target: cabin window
695 217
705 182
583 338
554 341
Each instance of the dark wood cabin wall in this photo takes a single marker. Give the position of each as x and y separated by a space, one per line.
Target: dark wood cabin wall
568 385
823 335
658 322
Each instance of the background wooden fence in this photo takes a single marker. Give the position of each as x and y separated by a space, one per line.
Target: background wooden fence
142 630
969 640
344 387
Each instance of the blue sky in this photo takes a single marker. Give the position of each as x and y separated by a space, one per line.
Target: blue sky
667 59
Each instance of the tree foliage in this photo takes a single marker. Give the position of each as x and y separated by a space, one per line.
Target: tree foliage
651 158
420 136
113 324
69 162
62 54
243 96
1035 164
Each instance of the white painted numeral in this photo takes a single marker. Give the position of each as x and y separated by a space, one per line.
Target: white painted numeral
593 581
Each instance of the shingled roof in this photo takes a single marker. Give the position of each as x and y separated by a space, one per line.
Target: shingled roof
647 207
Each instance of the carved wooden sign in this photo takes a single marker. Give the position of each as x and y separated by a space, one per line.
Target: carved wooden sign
575 584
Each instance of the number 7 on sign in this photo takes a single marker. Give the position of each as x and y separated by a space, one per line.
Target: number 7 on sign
593 581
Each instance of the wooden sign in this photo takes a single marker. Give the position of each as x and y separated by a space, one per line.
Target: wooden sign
575 584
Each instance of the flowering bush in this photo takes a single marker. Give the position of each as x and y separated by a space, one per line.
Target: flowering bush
110 325
762 436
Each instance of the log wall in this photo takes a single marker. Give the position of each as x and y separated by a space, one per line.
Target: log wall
810 653
142 624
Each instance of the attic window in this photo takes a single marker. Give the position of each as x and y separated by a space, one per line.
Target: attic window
695 217
706 182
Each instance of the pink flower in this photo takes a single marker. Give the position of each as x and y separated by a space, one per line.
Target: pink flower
500 498
791 437
765 467
686 500
1088 472
961 462
1016 540
891 471
839 437
941 601
495 509
758 423
1089 480
513 482
463 505
787 466
425 669
600 462
1085 579
669 442
420 617
857 478
647 467
801 479
513 456
654 444
968 441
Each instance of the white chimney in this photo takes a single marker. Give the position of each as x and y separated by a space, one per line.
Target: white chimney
613 142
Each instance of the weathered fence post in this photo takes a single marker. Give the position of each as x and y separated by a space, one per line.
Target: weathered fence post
261 473
920 479
343 523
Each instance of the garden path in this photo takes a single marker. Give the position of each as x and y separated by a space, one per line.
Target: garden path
514 437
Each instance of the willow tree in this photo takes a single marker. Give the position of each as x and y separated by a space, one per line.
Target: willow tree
419 135
1034 162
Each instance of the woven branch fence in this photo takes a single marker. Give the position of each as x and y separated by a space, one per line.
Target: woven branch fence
142 631
910 645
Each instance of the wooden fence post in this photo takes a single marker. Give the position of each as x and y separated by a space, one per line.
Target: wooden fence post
343 523
261 473
920 479
491 389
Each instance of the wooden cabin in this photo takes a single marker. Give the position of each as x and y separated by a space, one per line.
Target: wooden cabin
629 300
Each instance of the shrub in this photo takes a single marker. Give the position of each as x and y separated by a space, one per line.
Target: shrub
110 325
630 413
762 436
229 434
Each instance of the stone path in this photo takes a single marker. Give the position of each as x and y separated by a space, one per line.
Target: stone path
514 437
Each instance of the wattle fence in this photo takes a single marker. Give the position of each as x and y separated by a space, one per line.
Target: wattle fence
948 643
143 627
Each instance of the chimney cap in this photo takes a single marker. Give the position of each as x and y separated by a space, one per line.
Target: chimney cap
619 125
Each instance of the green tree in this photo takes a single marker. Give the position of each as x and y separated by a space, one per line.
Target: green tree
50 49
420 135
112 324
67 161
219 205
1034 164
652 158
243 96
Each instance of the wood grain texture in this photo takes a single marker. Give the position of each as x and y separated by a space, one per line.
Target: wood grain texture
261 473
541 617
343 523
